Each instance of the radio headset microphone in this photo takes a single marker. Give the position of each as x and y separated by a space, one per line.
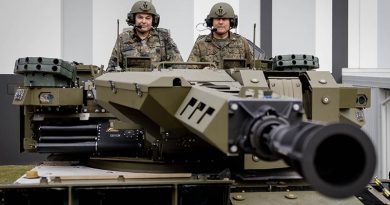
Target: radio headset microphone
138 26
213 30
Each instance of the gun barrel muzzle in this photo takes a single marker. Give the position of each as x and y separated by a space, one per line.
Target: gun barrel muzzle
338 160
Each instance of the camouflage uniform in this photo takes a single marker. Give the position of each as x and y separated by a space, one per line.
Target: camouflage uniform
159 46
209 49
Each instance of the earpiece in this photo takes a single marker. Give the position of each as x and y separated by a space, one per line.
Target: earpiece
234 22
156 20
209 21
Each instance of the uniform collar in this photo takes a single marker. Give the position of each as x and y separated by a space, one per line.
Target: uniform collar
231 37
153 32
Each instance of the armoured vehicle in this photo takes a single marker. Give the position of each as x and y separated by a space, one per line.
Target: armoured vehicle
239 132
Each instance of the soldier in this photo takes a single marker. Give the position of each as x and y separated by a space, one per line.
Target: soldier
145 39
221 43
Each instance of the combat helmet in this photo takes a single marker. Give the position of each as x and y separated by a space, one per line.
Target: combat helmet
143 7
222 10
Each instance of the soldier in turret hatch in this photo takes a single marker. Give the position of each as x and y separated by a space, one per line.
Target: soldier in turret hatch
221 43
144 40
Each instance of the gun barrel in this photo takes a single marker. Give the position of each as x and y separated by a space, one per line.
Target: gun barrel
337 159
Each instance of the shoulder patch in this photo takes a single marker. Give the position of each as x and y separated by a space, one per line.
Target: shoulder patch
127 33
200 37
236 35
163 30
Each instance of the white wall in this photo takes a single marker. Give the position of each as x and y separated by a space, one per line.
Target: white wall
29 28
77 31
46 27
293 27
303 27
383 34
363 34
250 14
323 33
353 33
